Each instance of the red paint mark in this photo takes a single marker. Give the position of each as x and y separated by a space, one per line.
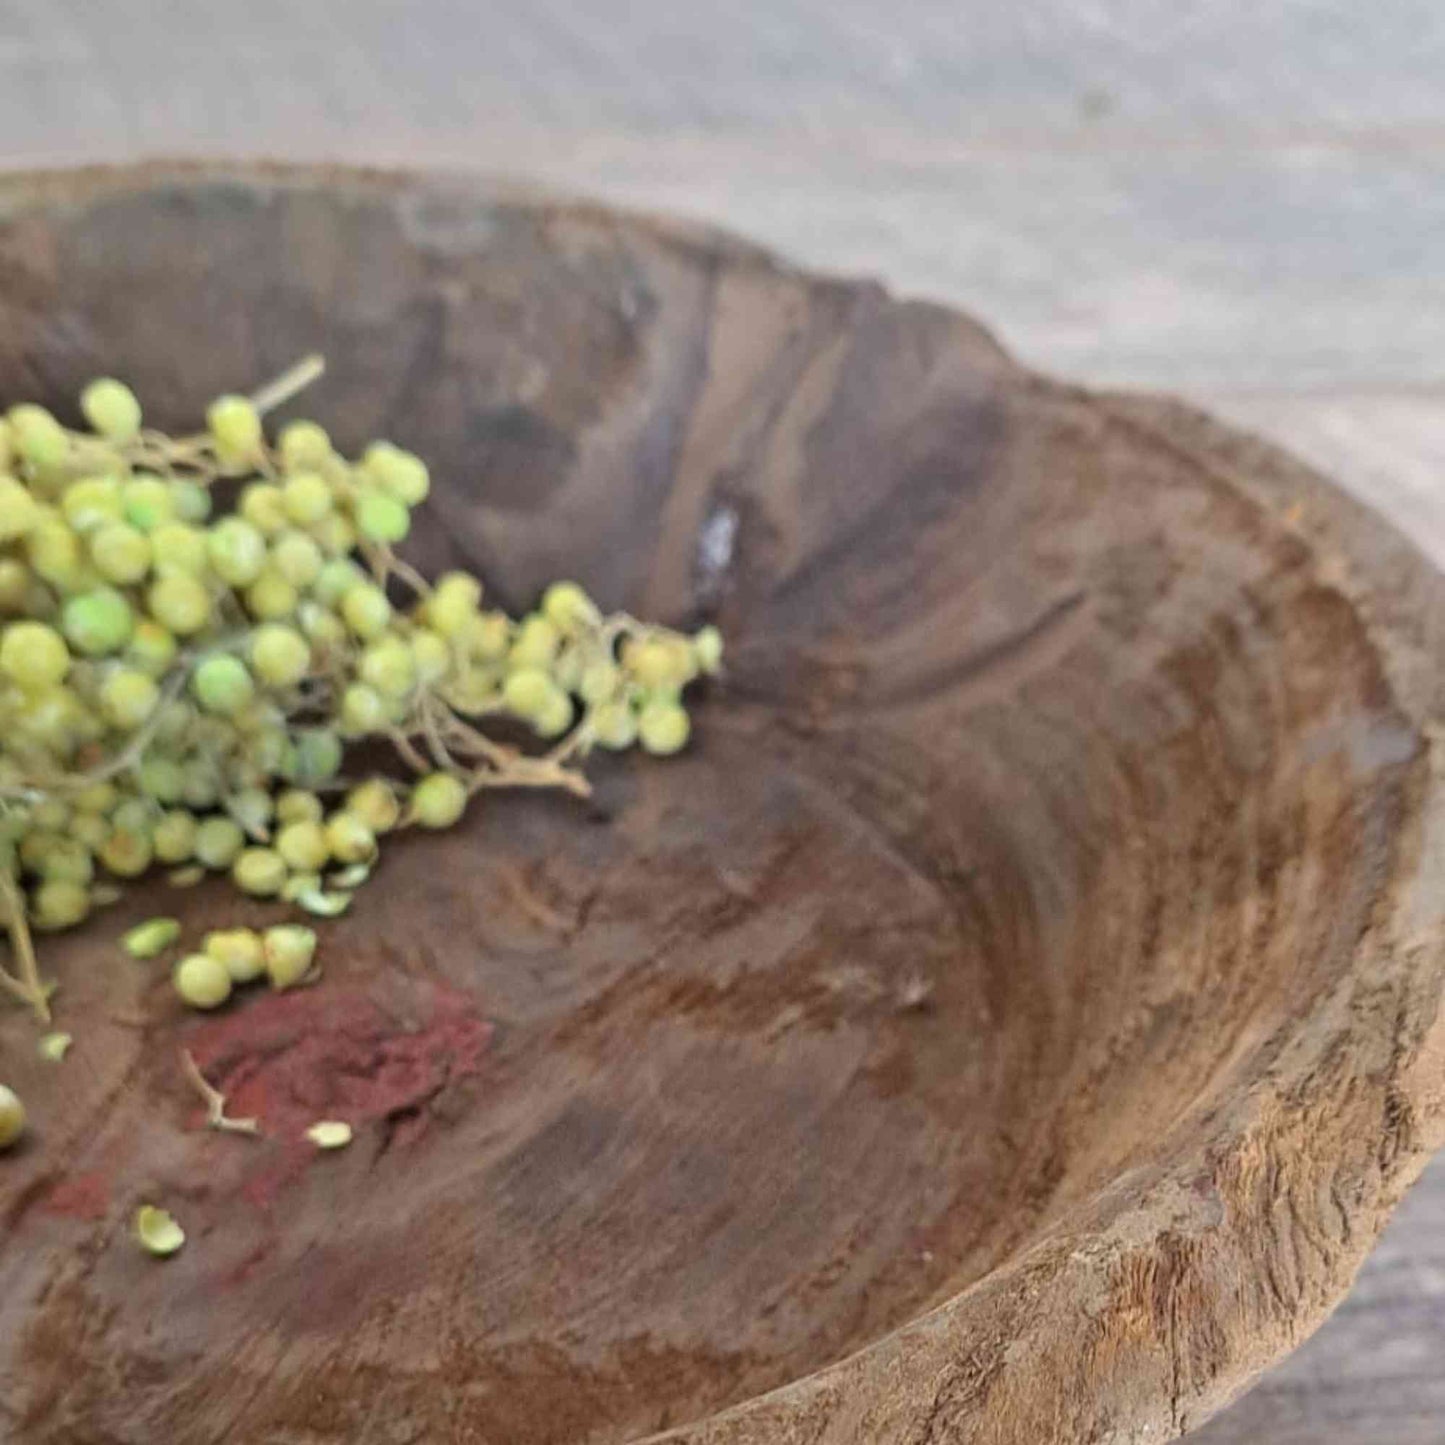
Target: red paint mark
292 1058
79 1196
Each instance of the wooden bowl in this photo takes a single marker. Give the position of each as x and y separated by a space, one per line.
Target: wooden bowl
1012 1021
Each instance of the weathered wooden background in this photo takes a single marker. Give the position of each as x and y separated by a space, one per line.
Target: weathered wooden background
1242 203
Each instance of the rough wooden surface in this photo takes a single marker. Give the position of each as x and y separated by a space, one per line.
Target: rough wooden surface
1238 202
1103 729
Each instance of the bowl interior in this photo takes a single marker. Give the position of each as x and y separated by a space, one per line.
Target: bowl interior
1046 780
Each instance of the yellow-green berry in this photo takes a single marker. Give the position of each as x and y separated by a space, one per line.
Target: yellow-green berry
202 981
235 428
303 846
662 728
290 950
438 800
12 1117
259 871
376 804
239 951
152 937
111 408
349 839
222 684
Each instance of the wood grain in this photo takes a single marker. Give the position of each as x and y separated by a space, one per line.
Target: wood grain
1103 726
1131 193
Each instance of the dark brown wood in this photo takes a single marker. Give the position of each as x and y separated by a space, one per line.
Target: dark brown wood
1012 1021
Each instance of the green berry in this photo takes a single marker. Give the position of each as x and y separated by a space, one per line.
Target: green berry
303 846
363 710
19 511
430 655
97 622
218 842
349 839
271 597
149 502
151 648
297 806
297 558
33 656
614 725
663 728
555 715
599 683
111 408
239 952
304 446
487 637
376 804
528 692
127 854
380 517
260 504
438 800
180 602
60 903
252 808
365 610
179 547
190 500
68 861
12 1117
222 685
334 534
54 552
202 981
325 630
15 584
37 436
120 553
707 649
289 951
398 472
536 643
161 778
280 655
318 756
235 428
259 871
388 666
129 697
92 502
453 602
335 580
151 938
306 498
174 838
568 608
237 551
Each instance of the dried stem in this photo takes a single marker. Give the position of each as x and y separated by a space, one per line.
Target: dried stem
215 1101
27 987
291 381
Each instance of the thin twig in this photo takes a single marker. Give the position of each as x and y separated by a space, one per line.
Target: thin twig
291 381
27 987
215 1101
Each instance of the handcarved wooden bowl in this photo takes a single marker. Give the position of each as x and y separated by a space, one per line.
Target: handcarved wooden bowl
1010 1022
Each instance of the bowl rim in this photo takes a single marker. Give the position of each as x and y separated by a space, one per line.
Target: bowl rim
1198 1271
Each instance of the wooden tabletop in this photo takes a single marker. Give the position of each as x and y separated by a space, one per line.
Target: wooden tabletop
1243 204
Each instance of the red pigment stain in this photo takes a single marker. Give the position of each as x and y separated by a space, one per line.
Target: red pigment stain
290 1059
79 1196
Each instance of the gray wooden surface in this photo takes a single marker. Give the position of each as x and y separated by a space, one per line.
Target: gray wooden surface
1243 203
